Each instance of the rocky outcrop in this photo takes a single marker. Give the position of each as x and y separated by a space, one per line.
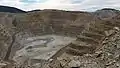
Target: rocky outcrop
5 38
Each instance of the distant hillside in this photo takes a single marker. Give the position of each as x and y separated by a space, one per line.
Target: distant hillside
106 13
37 10
10 9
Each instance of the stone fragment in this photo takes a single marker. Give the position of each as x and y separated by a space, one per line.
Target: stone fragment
116 28
2 65
108 33
74 63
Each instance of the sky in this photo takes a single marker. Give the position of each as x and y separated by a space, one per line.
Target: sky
70 5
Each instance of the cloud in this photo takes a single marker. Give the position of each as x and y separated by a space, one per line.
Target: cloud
84 5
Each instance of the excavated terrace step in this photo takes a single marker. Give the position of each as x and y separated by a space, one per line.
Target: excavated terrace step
95 30
87 40
80 43
79 47
102 27
111 23
93 35
83 50
108 23
117 25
